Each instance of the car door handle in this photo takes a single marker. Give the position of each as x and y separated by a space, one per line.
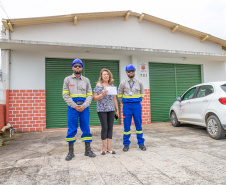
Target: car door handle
205 100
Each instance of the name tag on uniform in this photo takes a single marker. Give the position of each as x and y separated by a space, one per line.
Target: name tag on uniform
130 93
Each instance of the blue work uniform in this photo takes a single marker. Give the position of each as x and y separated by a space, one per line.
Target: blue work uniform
77 91
130 93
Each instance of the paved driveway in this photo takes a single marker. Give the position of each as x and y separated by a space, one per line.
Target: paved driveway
183 155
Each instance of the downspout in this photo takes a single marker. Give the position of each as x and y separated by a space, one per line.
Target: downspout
4 128
5 65
5 69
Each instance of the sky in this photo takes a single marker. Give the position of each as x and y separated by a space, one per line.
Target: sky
207 16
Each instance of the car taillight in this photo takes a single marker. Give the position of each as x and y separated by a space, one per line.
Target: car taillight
222 100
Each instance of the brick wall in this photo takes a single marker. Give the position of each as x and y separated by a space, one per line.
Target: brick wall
27 110
146 111
2 115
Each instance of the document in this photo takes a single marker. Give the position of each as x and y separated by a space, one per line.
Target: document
111 90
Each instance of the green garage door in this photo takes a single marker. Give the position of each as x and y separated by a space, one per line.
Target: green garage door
56 71
167 81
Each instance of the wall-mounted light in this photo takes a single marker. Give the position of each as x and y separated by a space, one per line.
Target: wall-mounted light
184 58
2 76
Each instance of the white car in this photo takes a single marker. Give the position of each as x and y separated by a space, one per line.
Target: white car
205 105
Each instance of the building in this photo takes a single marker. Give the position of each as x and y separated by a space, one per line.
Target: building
37 55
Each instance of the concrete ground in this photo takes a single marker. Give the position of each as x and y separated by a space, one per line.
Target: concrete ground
183 155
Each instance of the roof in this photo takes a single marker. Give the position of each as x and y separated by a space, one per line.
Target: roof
9 24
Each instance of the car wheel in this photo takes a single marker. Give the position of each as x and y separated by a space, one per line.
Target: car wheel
174 120
214 128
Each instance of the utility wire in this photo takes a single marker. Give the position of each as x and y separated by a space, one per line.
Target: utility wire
1 5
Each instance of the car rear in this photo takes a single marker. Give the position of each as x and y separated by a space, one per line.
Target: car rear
222 104
218 103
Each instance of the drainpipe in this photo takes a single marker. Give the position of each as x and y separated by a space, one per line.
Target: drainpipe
4 128
5 56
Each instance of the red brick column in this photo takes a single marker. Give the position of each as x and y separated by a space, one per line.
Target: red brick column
2 115
146 110
27 110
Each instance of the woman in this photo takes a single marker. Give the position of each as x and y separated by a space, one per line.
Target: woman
106 106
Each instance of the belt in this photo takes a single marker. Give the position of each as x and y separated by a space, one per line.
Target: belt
79 102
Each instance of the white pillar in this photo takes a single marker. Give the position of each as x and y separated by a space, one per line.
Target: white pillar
5 56
225 66
134 61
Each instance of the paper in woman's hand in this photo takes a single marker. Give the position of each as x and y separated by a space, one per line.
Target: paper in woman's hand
111 90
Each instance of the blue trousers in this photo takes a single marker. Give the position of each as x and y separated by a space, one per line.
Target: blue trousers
135 110
73 117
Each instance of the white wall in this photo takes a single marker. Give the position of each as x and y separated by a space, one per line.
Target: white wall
115 32
27 69
211 71
216 71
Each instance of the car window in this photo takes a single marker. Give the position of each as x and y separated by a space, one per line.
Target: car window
223 87
205 90
189 94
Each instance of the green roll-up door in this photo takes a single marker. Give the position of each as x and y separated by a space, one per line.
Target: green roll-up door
187 76
162 90
167 81
56 108
56 71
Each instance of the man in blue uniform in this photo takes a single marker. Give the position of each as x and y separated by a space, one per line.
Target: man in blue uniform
77 93
130 93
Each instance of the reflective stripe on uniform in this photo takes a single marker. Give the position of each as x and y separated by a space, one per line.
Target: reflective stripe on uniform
65 92
78 95
70 139
89 94
139 132
119 95
127 133
86 138
133 96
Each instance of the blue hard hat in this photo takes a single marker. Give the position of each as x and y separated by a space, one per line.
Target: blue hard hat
130 67
77 60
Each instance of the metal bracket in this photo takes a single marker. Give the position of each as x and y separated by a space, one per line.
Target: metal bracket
2 76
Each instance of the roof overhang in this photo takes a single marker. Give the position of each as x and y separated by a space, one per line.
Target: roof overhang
75 18
39 46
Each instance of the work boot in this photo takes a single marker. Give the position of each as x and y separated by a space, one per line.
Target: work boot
126 148
142 147
88 151
70 154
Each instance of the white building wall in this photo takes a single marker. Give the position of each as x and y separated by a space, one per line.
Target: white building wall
216 71
27 69
115 32
211 71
